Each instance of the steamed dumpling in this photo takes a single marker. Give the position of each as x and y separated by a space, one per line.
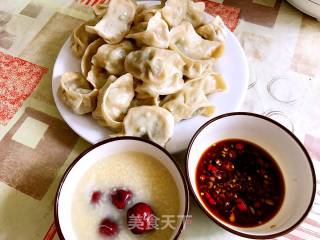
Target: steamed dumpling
152 121
116 22
186 41
111 57
88 54
174 11
113 102
196 14
144 13
100 9
187 103
80 38
153 65
195 68
141 94
197 53
154 90
160 70
215 30
145 101
97 76
209 83
77 93
155 33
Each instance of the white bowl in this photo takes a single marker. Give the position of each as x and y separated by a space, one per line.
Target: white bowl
289 153
72 176
310 7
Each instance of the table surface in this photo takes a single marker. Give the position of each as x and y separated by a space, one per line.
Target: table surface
36 146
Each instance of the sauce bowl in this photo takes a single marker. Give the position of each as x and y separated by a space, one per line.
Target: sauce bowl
288 152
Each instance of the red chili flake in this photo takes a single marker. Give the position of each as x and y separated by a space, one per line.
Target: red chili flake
212 168
203 178
241 205
222 195
239 146
209 198
228 166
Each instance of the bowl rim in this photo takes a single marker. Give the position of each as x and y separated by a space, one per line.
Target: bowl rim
146 141
281 127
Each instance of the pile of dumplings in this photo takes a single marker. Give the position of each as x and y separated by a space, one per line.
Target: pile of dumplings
143 69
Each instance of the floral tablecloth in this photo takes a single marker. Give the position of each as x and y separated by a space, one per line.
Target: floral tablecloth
36 146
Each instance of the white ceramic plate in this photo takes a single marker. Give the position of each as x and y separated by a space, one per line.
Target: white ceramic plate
232 65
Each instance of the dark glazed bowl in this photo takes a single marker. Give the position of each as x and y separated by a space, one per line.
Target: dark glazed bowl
72 176
289 153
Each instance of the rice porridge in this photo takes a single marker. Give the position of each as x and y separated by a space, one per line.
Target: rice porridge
145 180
